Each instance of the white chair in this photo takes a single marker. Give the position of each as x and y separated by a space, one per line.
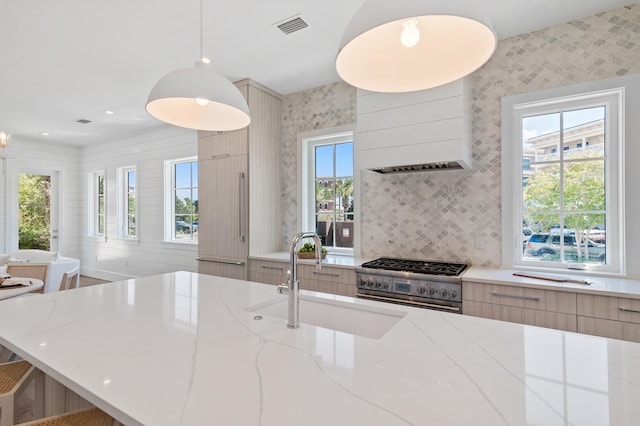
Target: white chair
29 270
70 279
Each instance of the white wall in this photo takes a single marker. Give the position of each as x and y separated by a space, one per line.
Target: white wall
25 156
116 258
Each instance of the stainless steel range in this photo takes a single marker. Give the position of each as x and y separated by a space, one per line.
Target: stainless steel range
423 283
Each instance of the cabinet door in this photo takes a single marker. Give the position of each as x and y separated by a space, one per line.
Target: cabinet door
222 144
220 269
223 209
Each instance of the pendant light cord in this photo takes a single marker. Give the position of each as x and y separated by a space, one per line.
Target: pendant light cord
201 31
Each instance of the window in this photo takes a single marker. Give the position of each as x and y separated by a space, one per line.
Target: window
567 188
97 204
128 227
181 208
327 185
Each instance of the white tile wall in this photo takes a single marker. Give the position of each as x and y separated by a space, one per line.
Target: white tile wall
439 215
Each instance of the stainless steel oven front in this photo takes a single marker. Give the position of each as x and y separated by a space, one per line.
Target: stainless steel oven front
435 285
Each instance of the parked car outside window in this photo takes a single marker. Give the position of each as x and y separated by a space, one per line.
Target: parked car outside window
547 245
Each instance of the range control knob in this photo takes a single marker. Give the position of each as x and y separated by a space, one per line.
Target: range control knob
385 286
453 293
443 292
378 285
421 289
431 289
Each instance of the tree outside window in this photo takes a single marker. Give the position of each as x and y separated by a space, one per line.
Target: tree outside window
564 183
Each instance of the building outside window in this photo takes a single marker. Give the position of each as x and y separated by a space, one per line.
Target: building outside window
568 194
181 184
328 187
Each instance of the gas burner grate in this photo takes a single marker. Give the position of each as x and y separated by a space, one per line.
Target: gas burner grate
417 266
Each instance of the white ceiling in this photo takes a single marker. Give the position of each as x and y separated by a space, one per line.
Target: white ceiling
64 60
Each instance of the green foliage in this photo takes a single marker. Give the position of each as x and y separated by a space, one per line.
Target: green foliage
310 248
34 209
584 191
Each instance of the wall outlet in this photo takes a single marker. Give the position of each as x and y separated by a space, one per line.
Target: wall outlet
479 242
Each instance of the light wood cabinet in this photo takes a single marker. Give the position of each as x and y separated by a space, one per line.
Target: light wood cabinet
544 308
333 280
268 272
239 188
607 316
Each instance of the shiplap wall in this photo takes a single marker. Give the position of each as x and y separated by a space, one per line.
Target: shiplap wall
118 258
28 156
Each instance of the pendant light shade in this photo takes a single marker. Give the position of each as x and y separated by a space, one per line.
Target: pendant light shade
409 45
198 98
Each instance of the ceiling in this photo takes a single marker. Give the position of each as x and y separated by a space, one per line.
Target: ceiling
65 60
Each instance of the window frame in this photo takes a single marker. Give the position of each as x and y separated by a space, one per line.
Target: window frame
306 178
94 204
514 109
123 203
169 204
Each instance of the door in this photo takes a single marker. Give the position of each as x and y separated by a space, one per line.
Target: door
223 209
37 215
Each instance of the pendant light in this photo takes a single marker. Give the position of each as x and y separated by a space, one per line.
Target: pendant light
409 45
198 98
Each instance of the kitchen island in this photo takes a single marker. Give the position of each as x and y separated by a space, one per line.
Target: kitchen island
189 349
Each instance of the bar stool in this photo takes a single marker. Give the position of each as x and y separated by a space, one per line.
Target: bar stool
14 378
90 417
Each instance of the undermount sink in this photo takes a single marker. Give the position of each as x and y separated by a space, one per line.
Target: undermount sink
361 320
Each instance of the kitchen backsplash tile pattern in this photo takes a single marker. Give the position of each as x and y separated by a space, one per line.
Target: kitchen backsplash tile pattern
323 107
456 215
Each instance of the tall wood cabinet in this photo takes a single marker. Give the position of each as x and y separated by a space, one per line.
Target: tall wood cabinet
239 187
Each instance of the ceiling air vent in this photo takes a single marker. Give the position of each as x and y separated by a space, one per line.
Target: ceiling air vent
83 121
292 25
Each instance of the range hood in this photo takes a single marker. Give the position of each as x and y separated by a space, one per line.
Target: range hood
423 131
426 167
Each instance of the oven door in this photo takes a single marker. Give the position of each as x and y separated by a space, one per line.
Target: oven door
409 300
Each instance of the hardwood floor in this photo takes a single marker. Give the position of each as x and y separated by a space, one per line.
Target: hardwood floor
87 281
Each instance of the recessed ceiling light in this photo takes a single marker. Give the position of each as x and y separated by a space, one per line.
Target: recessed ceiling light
45 134
205 60
109 112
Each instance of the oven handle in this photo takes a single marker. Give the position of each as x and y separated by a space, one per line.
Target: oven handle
408 302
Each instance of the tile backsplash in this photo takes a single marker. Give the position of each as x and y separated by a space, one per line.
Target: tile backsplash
456 215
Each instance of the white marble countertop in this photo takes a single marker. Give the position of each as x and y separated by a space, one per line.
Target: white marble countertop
599 285
331 259
182 349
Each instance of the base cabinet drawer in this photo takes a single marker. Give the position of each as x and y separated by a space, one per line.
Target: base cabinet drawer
548 319
223 269
341 281
607 316
607 307
268 272
609 328
522 297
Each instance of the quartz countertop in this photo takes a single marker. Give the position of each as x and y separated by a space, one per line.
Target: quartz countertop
598 285
183 349
331 259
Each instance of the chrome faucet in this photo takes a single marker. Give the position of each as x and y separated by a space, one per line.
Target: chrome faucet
292 286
